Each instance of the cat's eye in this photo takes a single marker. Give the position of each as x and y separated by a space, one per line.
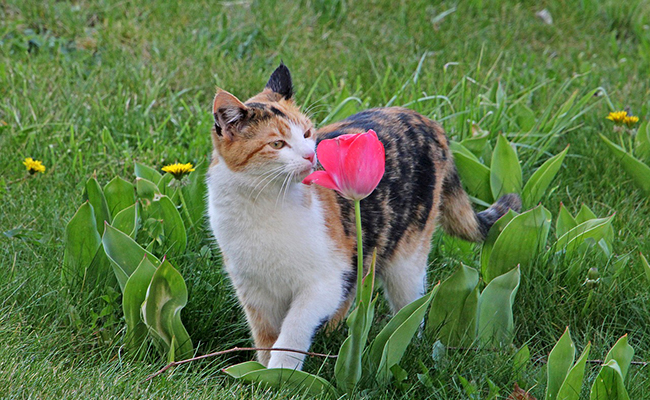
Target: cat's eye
278 144
307 134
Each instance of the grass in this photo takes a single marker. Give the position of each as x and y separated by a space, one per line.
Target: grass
90 86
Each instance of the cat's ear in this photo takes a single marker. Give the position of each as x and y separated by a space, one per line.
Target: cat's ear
280 82
228 113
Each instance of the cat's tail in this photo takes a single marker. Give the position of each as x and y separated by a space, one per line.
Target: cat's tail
458 217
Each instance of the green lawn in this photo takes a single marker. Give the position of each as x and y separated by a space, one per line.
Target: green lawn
91 86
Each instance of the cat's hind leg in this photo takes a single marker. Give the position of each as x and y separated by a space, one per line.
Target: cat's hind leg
404 277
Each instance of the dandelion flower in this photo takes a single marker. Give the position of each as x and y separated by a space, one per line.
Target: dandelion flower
630 120
33 166
618 117
179 170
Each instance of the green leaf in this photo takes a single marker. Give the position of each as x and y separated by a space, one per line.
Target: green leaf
161 310
639 172
119 194
559 363
194 194
642 142
455 301
255 372
148 173
585 214
595 229
348 367
164 188
525 117
572 385
541 179
476 144
505 171
146 189
622 352
124 253
493 235
95 196
519 243
475 176
520 362
646 266
127 220
162 208
495 320
565 222
135 292
609 384
390 344
82 241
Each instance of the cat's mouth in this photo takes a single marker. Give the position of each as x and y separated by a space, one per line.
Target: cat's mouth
302 174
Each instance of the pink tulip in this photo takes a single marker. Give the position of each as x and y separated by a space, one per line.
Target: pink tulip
354 164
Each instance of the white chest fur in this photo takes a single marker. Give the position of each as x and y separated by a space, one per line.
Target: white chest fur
275 244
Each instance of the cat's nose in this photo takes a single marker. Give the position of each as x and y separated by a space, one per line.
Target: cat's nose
310 157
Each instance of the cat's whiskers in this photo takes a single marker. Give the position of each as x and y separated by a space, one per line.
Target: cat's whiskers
262 178
270 180
286 182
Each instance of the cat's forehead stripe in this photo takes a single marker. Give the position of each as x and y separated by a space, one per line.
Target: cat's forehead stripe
270 108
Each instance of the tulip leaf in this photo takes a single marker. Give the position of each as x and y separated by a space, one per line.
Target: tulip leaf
476 144
119 194
95 196
127 220
146 189
389 346
541 179
519 243
525 117
162 208
161 310
622 352
455 299
565 222
646 266
82 242
255 372
124 254
493 235
505 171
348 367
475 176
559 363
595 229
609 384
495 319
148 173
572 385
135 292
642 142
639 172
165 188
194 194
585 214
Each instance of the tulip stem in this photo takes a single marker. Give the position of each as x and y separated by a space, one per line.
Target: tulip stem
357 214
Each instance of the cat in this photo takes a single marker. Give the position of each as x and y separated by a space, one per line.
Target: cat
290 249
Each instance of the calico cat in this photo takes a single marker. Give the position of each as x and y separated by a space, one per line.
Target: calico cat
289 248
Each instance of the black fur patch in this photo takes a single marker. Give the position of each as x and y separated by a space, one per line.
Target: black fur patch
404 197
280 82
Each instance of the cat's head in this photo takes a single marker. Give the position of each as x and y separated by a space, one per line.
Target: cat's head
265 133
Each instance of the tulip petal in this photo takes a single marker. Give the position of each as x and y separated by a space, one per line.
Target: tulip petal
330 154
321 178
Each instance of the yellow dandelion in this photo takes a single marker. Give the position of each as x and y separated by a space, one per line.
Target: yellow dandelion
178 170
33 166
618 117
630 120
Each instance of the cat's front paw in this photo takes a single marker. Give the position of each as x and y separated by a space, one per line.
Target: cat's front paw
284 359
